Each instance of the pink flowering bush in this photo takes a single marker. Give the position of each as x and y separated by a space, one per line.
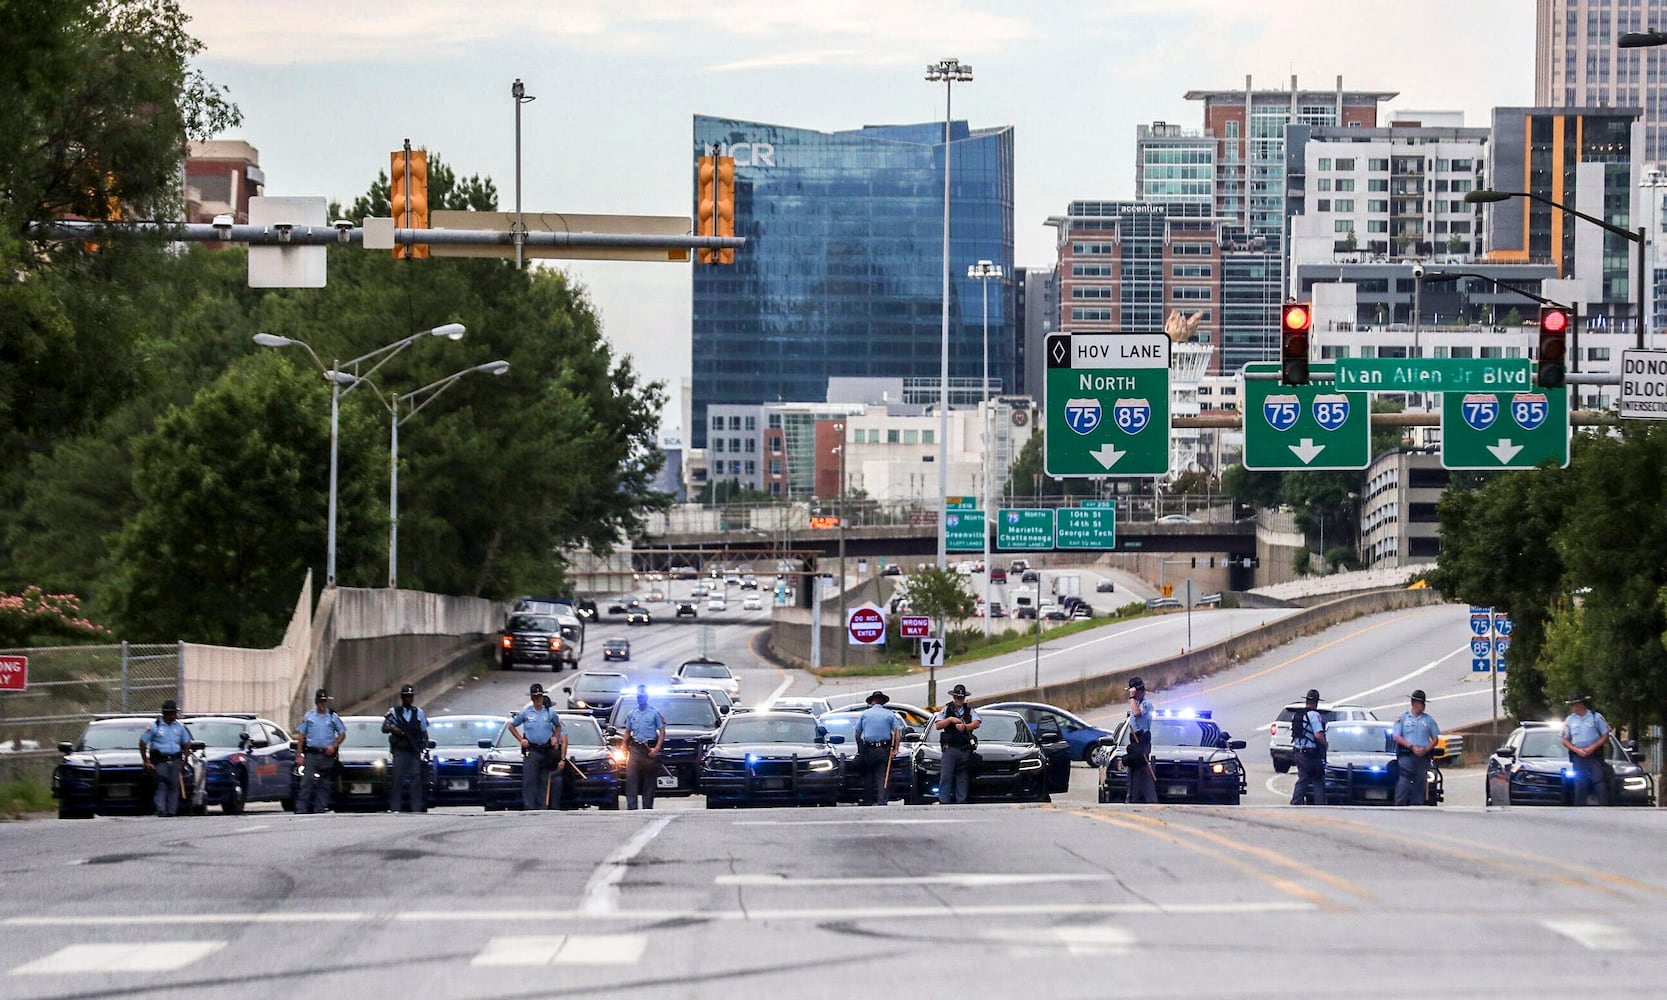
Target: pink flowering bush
35 617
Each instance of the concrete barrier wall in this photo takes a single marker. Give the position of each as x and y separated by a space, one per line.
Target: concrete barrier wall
789 639
231 679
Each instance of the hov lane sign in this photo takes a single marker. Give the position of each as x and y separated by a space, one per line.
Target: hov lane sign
14 673
931 652
1106 404
914 626
866 626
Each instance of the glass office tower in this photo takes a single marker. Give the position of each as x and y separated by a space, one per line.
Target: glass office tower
842 273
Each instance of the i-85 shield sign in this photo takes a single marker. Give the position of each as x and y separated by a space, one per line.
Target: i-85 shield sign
1106 407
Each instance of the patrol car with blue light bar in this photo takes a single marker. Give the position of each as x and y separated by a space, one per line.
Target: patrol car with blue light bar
1361 769
1192 760
1533 768
692 721
771 758
594 774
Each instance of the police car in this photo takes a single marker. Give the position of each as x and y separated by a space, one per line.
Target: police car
692 720
460 743
1361 767
1014 764
244 759
1533 768
102 772
1192 760
364 767
771 758
593 776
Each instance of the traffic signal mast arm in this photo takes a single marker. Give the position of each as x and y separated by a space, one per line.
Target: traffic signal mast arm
202 232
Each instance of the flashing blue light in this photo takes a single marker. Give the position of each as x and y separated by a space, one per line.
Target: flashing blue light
752 758
1568 772
934 789
1377 767
653 692
1184 713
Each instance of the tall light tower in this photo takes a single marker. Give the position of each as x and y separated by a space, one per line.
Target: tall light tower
985 272
949 72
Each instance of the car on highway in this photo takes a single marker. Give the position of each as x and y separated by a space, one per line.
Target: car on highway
749 582
716 692
593 774
1105 587
1176 519
698 591
101 772
844 726
892 569
1013 764
244 759
638 616
771 758
363 766
717 602
998 575
915 719
1279 731
1532 769
1360 766
1083 738
752 602
1192 760
686 609
654 596
616 649
707 672
458 755
595 692
1053 613
1018 565
618 607
815 706
531 638
692 721
1081 613
1030 576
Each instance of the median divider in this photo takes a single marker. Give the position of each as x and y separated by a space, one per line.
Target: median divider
1086 693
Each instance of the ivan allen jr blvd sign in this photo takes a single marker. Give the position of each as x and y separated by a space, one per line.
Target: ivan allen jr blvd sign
1434 374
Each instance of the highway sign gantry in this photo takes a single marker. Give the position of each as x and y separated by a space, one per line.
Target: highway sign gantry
1294 428
1087 527
1106 407
1024 529
1488 431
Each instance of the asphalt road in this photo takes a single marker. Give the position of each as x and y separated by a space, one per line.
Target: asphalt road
996 901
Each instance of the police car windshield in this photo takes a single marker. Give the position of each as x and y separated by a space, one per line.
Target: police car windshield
705 670
216 734
365 734
840 725
993 727
1185 733
114 735
532 623
600 684
698 713
466 732
1357 739
582 732
756 729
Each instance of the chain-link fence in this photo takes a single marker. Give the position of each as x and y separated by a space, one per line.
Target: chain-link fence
70 684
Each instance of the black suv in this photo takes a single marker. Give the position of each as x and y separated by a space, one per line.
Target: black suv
692 721
686 609
532 638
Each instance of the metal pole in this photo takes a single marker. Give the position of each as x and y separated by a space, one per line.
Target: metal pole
126 666
1036 659
410 196
984 284
1493 665
335 411
518 91
393 495
1643 321
844 647
943 364
816 618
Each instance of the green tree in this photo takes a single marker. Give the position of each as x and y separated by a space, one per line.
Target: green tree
1253 489
1028 478
940 594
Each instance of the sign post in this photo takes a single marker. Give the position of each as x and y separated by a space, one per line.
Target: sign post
1304 427
1106 408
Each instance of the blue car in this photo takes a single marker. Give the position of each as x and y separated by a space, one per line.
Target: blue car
1083 739
244 759
460 746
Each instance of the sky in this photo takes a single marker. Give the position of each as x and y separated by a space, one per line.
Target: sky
329 89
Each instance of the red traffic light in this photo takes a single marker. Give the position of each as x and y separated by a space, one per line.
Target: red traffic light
1298 317
1554 321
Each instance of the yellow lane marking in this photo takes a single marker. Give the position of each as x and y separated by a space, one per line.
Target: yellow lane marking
1303 868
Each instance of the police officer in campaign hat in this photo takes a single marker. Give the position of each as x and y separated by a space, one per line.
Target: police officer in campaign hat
1308 743
407 729
645 734
955 724
1143 785
543 747
162 747
1586 734
878 731
1415 735
321 731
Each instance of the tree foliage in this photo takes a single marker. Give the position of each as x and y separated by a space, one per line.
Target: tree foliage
939 594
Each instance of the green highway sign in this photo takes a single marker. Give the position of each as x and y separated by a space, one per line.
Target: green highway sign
1504 430
1024 529
1106 407
963 530
1087 527
1434 374
1303 427
960 503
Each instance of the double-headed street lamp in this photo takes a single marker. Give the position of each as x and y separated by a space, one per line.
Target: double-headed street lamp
947 72
984 272
1486 196
342 383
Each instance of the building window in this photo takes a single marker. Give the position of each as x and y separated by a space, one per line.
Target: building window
752 423
735 423
1345 183
717 423
1323 205
1190 293
1377 204
735 445
1377 225
1342 226
1347 164
891 436
1325 163
1091 315
752 445
1344 205
1093 292
1376 163
775 421
1377 184
752 469
718 445
1324 184
928 437
775 466
911 437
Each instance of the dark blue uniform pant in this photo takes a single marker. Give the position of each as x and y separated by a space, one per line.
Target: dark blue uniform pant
642 776
1310 764
539 789
1142 786
873 758
317 777
167 787
1588 777
1412 787
405 782
955 782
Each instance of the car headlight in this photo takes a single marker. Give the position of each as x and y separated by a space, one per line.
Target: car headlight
1636 783
619 755
1224 767
500 770
1429 777
825 764
1030 764
581 703
379 765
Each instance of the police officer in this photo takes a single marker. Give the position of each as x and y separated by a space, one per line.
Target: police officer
645 734
1586 733
1415 735
162 747
321 731
1308 742
407 729
878 732
955 724
543 747
1137 760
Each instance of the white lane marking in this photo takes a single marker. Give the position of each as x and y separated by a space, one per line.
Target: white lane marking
1594 934
1077 941
562 949
1353 698
783 686
250 829
853 822
159 919
1445 697
1270 786
968 879
149 956
602 889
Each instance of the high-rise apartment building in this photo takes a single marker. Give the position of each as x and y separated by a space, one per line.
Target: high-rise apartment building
1577 64
842 272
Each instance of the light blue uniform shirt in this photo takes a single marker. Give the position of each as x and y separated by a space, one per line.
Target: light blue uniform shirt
1419 730
319 729
1142 723
1316 724
166 737
1584 730
876 724
538 725
644 725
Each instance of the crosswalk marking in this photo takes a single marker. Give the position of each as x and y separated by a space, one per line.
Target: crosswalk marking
1077 941
149 956
1594 934
561 949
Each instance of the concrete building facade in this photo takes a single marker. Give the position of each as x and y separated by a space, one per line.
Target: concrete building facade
1577 63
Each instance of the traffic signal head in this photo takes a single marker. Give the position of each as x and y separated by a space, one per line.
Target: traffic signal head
1553 352
716 207
1295 320
408 198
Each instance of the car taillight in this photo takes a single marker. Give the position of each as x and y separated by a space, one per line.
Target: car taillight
1273 729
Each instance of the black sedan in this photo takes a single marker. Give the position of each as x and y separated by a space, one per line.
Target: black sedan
1192 760
101 772
595 692
692 720
1012 768
1533 769
844 726
457 756
1361 769
771 758
616 649
244 759
638 616
593 775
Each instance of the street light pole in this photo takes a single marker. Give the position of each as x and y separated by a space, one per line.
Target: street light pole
984 272
949 72
844 647
518 90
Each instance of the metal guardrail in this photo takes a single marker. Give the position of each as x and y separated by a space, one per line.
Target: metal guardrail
68 685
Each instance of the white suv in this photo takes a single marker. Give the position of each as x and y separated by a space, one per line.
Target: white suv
1279 731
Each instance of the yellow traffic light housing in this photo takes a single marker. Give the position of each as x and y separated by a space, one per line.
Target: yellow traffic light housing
716 207
408 197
